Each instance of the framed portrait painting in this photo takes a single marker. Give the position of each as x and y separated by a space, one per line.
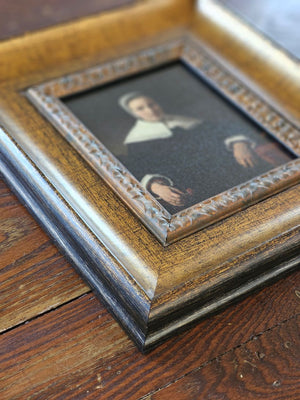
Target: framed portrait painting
175 137
167 177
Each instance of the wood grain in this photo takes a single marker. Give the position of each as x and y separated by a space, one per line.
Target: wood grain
30 265
17 17
268 367
78 351
127 265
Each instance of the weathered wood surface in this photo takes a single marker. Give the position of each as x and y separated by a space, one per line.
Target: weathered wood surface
107 239
18 17
30 264
265 367
58 341
78 351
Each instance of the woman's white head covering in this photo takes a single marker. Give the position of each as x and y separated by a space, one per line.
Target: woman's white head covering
146 130
126 99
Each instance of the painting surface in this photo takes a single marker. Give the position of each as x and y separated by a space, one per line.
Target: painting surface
176 135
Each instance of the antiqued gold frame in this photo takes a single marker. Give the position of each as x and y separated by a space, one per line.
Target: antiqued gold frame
169 228
153 290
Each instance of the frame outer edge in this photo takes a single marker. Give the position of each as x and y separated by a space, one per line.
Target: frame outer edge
188 315
118 291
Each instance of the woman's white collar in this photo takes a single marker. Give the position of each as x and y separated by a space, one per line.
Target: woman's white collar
144 131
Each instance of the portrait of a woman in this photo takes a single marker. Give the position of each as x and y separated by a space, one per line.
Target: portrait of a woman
178 137
181 161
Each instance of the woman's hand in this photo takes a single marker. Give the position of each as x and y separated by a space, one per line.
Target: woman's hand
243 154
169 194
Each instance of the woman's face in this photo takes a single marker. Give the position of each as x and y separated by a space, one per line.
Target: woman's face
146 109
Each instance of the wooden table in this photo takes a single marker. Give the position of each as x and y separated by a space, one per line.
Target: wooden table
59 342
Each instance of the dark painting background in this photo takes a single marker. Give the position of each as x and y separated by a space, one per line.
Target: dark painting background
180 92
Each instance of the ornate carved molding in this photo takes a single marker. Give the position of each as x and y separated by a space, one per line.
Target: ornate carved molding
169 228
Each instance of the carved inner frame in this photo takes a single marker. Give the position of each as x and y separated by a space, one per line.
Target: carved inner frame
166 227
